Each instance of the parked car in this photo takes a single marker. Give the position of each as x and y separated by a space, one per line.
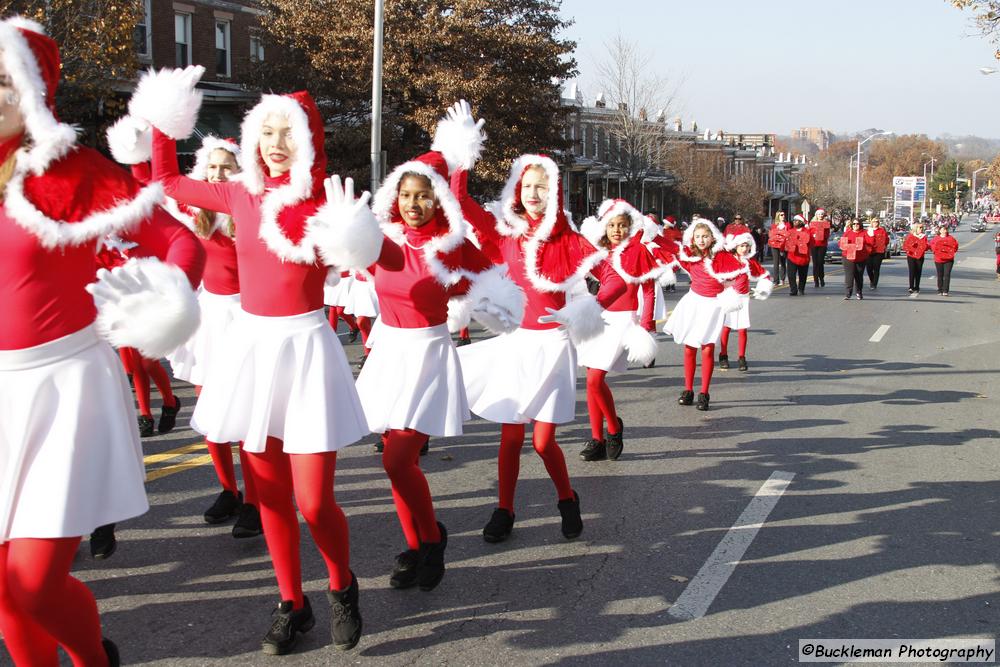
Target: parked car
895 246
978 226
834 255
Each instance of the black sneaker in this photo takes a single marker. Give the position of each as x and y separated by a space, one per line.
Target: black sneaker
911 290
847 298
103 542
595 450
615 442
345 626
861 297
463 341
743 363
225 507
724 362
146 426
287 624
111 650
702 402
404 573
380 444
168 416
499 527
430 569
248 522
352 337
572 524
426 448
651 364
686 398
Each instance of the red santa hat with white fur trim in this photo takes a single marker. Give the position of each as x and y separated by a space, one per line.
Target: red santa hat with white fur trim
733 240
719 243
611 208
211 143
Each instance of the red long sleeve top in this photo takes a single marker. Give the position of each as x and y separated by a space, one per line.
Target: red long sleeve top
42 289
880 239
741 283
709 279
856 245
916 246
944 248
268 286
797 244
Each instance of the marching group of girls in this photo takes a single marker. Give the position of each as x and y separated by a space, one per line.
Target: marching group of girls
792 248
231 287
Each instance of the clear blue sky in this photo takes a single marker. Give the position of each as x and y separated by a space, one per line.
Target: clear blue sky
910 66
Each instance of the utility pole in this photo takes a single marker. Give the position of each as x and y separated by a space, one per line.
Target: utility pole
956 187
376 156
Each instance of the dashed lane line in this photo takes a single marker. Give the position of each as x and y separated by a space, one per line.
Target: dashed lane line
713 575
879 334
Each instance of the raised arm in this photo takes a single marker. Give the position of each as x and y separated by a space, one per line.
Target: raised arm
483 223
210 196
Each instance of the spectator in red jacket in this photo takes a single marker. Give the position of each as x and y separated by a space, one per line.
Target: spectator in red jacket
916 246
819 227
798 245
880 242
776 237
944 246
856 246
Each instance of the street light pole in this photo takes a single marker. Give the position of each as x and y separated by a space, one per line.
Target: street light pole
376 155
857 182
923 203
956 187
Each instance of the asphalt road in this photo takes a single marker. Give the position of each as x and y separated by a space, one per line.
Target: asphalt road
888 527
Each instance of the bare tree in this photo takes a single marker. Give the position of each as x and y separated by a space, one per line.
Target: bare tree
640 100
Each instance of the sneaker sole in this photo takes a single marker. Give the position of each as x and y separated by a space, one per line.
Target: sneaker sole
431 585
402 585
243 534
106 555
213 521
348 645
615 456
495 539
274 649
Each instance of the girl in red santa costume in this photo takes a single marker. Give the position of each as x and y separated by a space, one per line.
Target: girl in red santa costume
618 228
283 386
529 375
697 319
411 386
70 457
216 161
743 247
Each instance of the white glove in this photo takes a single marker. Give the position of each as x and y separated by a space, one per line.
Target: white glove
168 100
495 318
459 137
344 229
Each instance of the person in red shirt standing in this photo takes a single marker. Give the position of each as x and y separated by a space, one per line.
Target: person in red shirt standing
819 228
944 246
70 454
915 246
879 243
777 236
798 245
855 245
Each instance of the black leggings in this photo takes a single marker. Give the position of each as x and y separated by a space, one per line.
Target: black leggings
779 256
944 274
874 266
819 271
797 277
916 266
854 276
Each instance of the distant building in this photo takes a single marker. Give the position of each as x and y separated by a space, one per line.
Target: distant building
816 136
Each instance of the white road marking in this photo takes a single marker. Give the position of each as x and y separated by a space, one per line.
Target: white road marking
713 575
879 334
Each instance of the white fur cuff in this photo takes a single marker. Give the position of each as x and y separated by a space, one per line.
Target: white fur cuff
763 288
130 141
640 344
582 316
146 304
729 300
459 313
668 277
346 236
168 100
496 301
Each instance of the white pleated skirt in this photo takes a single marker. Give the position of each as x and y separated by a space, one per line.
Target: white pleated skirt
190 361
284 377
739 319
696 320
361 299
659 304
522 376
607 352
413 379
70 458
337 295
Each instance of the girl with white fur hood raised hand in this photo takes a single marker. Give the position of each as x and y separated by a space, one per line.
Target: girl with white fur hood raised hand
743 247
283 387
697 319
70 456
411 386
620 229
529 375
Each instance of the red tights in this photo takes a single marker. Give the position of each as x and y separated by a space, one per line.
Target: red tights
222 461
42 607
309 478
707 366
410 492
142 370
338 312
365 324
543 438
600 404
724 342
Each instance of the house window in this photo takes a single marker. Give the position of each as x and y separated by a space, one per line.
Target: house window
143 31
222 48
182 40
256 49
